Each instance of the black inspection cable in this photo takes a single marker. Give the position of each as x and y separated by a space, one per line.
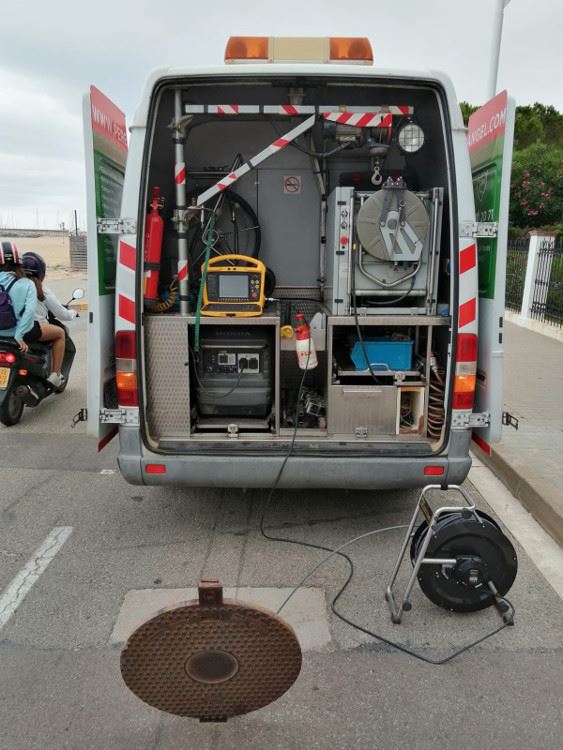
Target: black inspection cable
332 552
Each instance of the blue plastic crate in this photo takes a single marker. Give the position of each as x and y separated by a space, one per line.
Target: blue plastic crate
383 354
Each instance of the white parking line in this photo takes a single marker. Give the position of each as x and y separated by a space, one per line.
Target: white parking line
18 589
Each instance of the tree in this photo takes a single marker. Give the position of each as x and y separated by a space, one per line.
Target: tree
536 195
467 110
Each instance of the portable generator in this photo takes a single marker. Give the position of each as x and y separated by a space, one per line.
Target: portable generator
235 372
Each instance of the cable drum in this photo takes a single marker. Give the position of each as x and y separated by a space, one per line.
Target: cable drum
392 225
483 554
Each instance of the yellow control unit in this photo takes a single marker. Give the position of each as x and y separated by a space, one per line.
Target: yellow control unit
234 290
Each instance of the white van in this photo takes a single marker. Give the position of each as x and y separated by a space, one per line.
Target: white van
345 192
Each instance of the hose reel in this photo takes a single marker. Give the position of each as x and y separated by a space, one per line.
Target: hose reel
460 557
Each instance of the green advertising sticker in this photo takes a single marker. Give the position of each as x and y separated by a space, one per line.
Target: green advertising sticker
109 187
486 188
486 149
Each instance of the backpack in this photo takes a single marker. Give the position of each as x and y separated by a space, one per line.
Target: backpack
7 315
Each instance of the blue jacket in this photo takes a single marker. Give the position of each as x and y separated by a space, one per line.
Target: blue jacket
24 298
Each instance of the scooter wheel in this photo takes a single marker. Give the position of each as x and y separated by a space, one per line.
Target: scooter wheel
11 409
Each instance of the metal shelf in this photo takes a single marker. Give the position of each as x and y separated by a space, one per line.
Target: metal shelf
390 320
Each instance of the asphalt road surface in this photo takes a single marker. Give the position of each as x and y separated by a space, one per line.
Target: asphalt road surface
60 683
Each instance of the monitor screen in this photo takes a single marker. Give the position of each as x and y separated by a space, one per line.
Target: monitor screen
233 285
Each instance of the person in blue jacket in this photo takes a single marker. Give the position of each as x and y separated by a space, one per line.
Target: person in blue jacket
23 296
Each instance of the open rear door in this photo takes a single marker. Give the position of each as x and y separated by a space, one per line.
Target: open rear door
105 146
490 139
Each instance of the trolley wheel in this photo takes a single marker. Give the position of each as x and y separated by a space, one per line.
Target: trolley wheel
483 554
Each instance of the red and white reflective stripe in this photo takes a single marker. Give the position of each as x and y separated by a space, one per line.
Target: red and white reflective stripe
273 148
468 287
182 270
360 119
393 109
288 109
125 283
467 328
180 172
221 109
292 109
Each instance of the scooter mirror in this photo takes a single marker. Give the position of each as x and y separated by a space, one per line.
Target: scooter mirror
78 294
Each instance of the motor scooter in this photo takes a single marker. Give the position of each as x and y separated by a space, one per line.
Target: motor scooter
23 375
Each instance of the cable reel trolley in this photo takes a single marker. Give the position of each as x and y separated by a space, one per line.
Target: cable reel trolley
460 557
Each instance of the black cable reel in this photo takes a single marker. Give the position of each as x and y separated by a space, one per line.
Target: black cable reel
461 559
483 555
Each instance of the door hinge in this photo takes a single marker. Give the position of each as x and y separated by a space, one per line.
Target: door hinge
116 226
509 421
128 416
461 421
478 229
81 416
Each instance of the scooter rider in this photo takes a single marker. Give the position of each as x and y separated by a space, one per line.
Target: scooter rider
36 268
22 293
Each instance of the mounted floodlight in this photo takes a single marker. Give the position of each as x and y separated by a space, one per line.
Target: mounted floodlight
356 50
411 138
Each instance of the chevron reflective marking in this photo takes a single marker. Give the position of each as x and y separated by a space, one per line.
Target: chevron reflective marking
182 270
360 119
292 110
180 172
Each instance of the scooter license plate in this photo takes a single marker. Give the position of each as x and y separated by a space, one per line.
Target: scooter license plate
4 376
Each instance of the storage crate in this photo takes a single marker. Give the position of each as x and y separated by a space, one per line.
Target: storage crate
383 354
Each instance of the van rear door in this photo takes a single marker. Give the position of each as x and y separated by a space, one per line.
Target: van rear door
490 139
105 147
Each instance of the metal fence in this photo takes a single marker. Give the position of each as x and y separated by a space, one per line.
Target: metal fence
547 301
516 262
78 253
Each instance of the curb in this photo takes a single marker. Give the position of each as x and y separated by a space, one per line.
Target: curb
539 497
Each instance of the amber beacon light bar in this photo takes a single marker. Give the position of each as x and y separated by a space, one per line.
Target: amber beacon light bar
356 50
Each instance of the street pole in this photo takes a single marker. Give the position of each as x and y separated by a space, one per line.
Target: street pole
498 15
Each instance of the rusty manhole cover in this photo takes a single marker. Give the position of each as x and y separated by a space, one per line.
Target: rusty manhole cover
211 659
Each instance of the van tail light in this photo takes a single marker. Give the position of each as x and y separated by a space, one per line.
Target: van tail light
465 379
434 471
126 368
7 358
155 468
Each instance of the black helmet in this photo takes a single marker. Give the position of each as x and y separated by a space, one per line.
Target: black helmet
34 265
9 254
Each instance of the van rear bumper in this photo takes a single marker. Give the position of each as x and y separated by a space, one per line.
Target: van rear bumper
359 473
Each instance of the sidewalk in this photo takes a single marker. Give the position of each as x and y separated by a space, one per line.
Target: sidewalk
530 460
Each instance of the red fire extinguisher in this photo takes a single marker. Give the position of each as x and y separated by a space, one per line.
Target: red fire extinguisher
154 228
304 345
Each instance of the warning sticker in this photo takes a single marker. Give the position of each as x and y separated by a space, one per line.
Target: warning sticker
292 184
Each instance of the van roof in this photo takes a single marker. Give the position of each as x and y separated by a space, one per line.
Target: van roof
325 70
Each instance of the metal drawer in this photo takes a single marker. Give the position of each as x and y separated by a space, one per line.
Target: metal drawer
362 410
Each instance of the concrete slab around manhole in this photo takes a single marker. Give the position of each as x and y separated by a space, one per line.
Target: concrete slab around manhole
306 611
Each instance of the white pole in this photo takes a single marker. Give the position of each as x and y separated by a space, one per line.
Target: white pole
498 14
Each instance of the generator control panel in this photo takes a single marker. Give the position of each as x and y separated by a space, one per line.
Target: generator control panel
234 290
228 360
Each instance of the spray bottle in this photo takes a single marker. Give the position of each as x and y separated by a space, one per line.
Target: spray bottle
304 345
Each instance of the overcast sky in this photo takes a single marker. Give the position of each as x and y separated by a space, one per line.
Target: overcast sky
50 52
